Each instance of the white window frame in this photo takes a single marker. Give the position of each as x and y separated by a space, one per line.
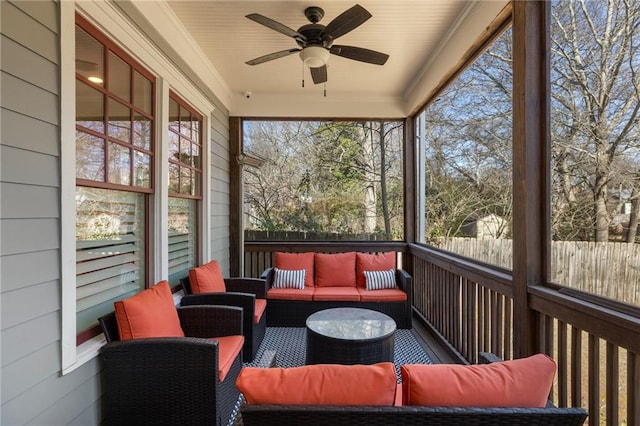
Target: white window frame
109 19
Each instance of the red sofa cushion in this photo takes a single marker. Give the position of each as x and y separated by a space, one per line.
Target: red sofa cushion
207 279
291 293
524 382
150 313
373 262
324 384
296 261
385 295
336 270
349 294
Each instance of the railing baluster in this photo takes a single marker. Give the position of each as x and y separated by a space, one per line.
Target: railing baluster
562 364
633 394
594 380
612 384
576 367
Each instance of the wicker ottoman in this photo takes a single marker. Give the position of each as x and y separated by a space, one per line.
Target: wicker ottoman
349 336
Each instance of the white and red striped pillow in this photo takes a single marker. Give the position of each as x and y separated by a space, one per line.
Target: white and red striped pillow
378 280
289 278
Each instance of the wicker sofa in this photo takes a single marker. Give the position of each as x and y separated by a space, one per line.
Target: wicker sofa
292 311
319 415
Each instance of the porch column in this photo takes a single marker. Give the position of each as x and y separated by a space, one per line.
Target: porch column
531 153
236 208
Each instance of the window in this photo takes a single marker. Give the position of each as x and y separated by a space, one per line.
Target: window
595 143
464 145
324 180
114 158
185 186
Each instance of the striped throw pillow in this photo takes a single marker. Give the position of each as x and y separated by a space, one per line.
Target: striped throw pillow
378 280
286 278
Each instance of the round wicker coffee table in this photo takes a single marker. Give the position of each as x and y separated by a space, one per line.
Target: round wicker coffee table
349 336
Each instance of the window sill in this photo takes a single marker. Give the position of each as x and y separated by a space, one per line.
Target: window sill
86 352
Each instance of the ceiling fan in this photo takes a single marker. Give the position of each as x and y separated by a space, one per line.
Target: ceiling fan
316 40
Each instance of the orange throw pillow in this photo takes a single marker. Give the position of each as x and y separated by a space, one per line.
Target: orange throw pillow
336 270
150 313
322 384
373 262
207 279
524 383
297 261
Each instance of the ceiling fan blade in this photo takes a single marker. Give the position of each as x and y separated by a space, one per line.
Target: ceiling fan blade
275 25
360 54
272 56
347 21
319 75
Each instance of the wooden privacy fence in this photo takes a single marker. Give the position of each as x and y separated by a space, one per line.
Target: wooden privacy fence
606 269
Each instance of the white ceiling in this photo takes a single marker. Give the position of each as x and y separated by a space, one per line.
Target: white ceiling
418 36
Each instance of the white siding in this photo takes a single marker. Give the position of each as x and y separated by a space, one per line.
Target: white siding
33 390
220 190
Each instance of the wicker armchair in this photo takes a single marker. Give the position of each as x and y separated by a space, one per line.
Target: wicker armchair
171 380
318 415
241 292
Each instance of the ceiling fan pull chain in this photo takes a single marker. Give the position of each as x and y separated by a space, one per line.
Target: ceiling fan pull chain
303 74
325 89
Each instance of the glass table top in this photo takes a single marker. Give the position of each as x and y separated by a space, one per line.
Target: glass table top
351 324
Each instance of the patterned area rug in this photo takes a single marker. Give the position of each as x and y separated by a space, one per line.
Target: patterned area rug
290 346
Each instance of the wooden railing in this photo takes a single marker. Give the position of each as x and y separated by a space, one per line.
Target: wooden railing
596 343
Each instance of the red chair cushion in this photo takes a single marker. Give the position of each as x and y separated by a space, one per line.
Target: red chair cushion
228 349
336 270
297 261
373 262
150 313
207 279
325 384
524 383
260 306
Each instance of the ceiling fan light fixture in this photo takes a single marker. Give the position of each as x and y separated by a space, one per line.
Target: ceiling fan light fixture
314 56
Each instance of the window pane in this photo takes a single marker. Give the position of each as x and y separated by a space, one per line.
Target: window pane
185 181
142 95
325 180
185 151
89 57
142 169
174 178
109 250
182 237
174 116
195 152
89 107
119 164
142 131
119 77
197 183
119 121
468 160
185 122
595 148
89 157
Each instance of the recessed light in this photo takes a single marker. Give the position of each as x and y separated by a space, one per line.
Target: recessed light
95 79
